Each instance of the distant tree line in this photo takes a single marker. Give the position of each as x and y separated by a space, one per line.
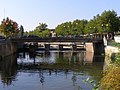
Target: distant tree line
106 23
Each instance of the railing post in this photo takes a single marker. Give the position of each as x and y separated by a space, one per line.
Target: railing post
47 47
74 47
60 47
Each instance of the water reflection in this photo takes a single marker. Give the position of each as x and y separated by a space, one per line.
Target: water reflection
51 67
8 68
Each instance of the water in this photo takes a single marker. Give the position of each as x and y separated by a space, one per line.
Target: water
52 70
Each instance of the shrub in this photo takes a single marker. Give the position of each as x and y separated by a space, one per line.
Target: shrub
111 78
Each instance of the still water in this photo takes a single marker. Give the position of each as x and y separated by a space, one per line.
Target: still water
52 70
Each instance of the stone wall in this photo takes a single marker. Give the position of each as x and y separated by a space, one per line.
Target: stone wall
117 39
7 48
110 49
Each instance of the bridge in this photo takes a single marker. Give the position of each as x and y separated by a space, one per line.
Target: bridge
57 39
95 45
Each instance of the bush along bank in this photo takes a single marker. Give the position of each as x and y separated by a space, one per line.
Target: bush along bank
111 76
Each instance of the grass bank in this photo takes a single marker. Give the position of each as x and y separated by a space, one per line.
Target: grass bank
111 76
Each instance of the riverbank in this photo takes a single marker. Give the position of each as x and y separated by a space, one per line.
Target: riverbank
111 77
110 51
111 73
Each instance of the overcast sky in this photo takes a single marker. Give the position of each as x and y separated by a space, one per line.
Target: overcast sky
30 13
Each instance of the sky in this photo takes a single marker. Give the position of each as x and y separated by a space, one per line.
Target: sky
29 13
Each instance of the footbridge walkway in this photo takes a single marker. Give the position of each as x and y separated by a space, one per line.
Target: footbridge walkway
95 45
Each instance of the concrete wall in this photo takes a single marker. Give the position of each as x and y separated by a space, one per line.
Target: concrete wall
89 47
117 39
109 50
7 48
95 47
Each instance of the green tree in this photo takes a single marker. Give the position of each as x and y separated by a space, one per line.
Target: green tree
42 26
110 21
79 26
63 29
92 27
41 30
45 33
71 28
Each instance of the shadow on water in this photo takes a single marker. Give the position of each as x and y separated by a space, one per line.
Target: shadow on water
54 62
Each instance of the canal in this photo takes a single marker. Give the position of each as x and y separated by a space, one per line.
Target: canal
54 70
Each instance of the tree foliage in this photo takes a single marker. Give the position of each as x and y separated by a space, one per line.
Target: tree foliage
41 30
107 22
71 28
104 23
41 27
9 27
110 20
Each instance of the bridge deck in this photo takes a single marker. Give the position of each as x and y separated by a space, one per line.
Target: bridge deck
57 39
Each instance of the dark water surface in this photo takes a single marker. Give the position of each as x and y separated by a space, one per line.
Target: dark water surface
51 71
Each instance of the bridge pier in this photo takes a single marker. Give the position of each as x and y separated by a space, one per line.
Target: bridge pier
47 47
32 48
60 47
99 47
95 47
74 47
